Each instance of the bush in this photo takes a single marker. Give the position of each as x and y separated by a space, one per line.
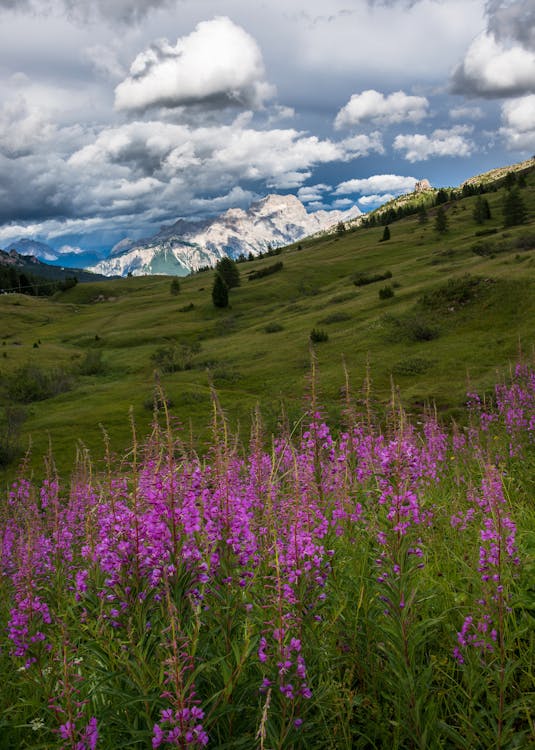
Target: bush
273 328
363 279
186 308
338 317
411 366
31 382
92 363
457 292
175 358
317 336
386 292
11 421
418 330
267 271
411 328
485 232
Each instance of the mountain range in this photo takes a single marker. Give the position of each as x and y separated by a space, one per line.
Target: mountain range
187 246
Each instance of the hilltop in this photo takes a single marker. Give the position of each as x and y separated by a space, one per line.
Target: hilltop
440 313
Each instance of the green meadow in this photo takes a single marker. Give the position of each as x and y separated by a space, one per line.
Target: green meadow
460 306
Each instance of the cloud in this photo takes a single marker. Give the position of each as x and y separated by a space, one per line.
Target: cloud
23 127
219 65
311 193
513 20
375 200
149 170
492 68
466 113
126 11
518 117
362 145
378 183
372 106
420 147
342 203
70 250
501 61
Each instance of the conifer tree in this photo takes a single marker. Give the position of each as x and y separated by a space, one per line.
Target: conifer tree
229 272
441 220
386 234
422 214
481 210
441 197
220 292
514 209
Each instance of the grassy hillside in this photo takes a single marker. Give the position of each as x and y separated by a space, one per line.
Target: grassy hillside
463 304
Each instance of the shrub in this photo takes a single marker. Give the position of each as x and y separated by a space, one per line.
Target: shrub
338 299
411 366
411 328
485 232
175 287
418 330
273 328
317 336
455 293
11 421
176 357
363 279
186 308
525 242
30 382
267 271
92 363
386 292
337 317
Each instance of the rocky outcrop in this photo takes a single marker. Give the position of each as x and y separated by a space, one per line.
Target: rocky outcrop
422 185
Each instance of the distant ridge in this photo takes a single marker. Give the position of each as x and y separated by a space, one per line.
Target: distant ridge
186 246
499 173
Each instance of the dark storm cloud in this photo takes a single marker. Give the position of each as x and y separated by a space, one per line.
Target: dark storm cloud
126 11
512 20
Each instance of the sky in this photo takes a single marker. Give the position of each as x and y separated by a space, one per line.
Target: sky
119 116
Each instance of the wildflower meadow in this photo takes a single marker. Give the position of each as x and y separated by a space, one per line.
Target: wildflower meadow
365 586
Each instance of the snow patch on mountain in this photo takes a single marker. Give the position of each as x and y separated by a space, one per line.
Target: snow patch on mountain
187 246
27 246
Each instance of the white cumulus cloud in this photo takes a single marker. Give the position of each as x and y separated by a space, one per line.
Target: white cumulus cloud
518 116
310 193
375 200
419 147
378 183
495 68
218 64
373 106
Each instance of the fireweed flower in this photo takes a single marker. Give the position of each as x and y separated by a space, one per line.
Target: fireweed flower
497 553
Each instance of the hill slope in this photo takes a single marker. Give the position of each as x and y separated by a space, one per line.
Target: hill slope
458 306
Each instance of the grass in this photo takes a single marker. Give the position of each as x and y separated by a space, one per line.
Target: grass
128 320
363 591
